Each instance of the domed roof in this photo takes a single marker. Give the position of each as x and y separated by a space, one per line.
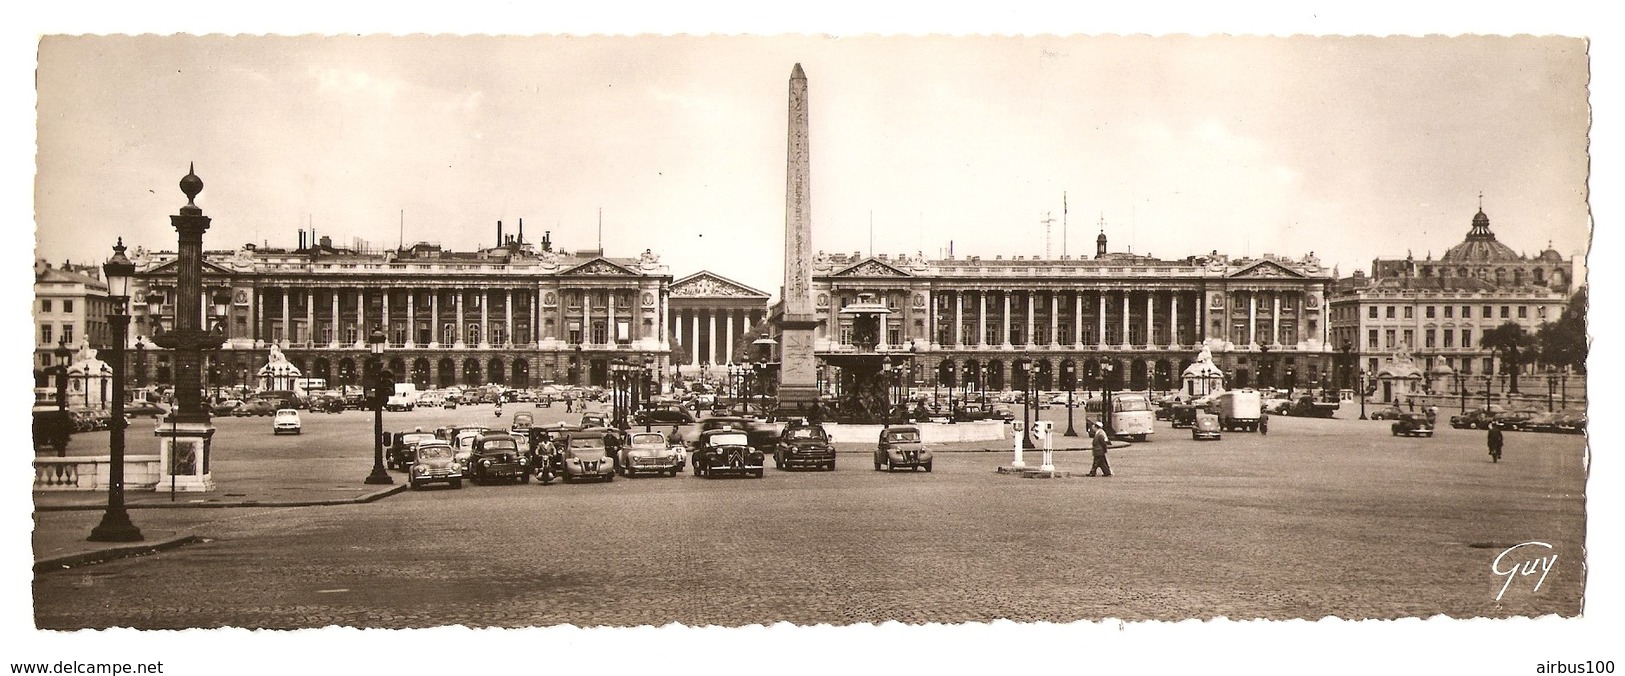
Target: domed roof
1480 245
1550 255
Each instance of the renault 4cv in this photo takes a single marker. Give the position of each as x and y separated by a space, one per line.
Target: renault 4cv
804 444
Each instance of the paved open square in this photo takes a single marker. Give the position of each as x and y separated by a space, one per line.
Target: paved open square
1320 518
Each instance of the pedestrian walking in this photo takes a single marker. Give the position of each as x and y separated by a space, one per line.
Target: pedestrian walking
1495 442
1433 415
1099 444
569 404
1264 423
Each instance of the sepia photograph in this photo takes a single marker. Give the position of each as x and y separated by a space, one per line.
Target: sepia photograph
781 337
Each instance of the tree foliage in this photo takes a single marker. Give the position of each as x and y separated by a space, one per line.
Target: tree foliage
1513 345
1563 342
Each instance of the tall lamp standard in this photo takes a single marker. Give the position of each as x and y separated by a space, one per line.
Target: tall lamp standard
651 380
1106 383
116 525
380 394
1362 395
1461 390
1069 380
140 362
1026 367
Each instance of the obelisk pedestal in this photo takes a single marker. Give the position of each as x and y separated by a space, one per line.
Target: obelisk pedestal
798 370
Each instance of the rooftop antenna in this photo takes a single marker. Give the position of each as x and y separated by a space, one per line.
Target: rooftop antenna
400 243
871 233
600 230
1047 220
1063 224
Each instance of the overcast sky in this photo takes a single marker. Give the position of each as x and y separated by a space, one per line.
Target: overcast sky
1349 147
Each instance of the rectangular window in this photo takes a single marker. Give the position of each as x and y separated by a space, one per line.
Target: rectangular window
1506 312
1466 367
1449 338
1523 312
1466 312
67 306
45 335
623 331
1388 338
894 336
599 335
1489 312
1410 312
1410 339
1466 337
1373 312
1489 365
45 305
1390 313
1429 336
1429 312
1449 311
67 333
1371 339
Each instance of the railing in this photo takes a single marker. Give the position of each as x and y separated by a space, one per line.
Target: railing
93 473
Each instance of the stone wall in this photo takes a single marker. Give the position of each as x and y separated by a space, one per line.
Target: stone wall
94 473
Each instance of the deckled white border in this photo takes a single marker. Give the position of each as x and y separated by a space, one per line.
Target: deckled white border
1332 646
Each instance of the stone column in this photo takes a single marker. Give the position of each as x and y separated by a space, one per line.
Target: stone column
360 317
1030 322
1054 318
287 319
1275 321
259 317
1173 319
959 318
384 324
609 320
457 338
507 316
1077 318
1100 336
485 318
310 315
981 318
434 319
334 342
411 316
728 338
711 338
1252 316
1004 336
694 329
1125 320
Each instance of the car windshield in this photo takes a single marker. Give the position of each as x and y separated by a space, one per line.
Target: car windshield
907 437
1130 404
805 433
727 440
586 442
433 452
648 439
499 445
287 414
415 437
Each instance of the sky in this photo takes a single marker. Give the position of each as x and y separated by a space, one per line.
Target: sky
1351 148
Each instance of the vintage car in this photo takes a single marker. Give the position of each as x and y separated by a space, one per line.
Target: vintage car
1277 405
522 422
649 452
398 450
900 447
433 462
143 409
463 440
589 454
286 421
1514 419
726 451
1205 426
1183 415
1389 412
1477 419
591 420
803 444
495 456
224 407
1570 422
719 423
255 407
449 402
1412 425
664 414
1307 407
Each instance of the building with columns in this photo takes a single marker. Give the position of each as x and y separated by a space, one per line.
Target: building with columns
70 308
1263 319
1435 312
711 319
516 314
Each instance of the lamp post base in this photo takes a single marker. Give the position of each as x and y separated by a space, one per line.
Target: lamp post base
379 477
115 527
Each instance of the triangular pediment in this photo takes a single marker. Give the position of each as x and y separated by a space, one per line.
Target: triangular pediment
711 285
170 268
1265 270
600 267
871 267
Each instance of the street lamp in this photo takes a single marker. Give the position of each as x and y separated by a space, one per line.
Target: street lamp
1026 367
1069 380
63 355
1461 390
140 362
580 368
1362 395
1106 370
116 525
1348 362
380 395
1551 387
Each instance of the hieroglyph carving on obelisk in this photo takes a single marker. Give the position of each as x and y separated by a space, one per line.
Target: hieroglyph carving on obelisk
798 371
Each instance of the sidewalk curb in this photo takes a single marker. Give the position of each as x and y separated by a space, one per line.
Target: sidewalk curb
370 497
110 553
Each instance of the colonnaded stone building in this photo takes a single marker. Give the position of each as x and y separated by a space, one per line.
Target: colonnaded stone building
1433 313
1264 319
713 319
518 314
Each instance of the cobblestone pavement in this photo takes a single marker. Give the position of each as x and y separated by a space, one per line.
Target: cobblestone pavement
1322 517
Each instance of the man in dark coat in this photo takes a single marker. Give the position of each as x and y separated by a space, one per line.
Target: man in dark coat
1099 445
1495 443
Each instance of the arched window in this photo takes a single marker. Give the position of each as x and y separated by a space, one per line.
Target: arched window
473 334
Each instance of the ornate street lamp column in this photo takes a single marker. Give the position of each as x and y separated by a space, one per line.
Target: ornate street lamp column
116 525
187 436
382 387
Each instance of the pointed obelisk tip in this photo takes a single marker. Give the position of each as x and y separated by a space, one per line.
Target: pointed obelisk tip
796 74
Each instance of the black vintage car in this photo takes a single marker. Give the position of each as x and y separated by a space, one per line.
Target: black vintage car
1183 415
1412 425
399 448
804 444
726 451
664 414
496 457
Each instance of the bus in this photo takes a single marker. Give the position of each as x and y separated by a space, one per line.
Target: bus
1131 415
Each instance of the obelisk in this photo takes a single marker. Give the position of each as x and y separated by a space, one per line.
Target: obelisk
798 370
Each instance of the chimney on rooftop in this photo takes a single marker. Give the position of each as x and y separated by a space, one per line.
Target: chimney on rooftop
499 233
327 242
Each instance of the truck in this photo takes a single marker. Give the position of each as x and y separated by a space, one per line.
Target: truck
404 399
1238 410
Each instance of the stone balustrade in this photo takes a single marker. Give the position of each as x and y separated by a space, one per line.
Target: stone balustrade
93 473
